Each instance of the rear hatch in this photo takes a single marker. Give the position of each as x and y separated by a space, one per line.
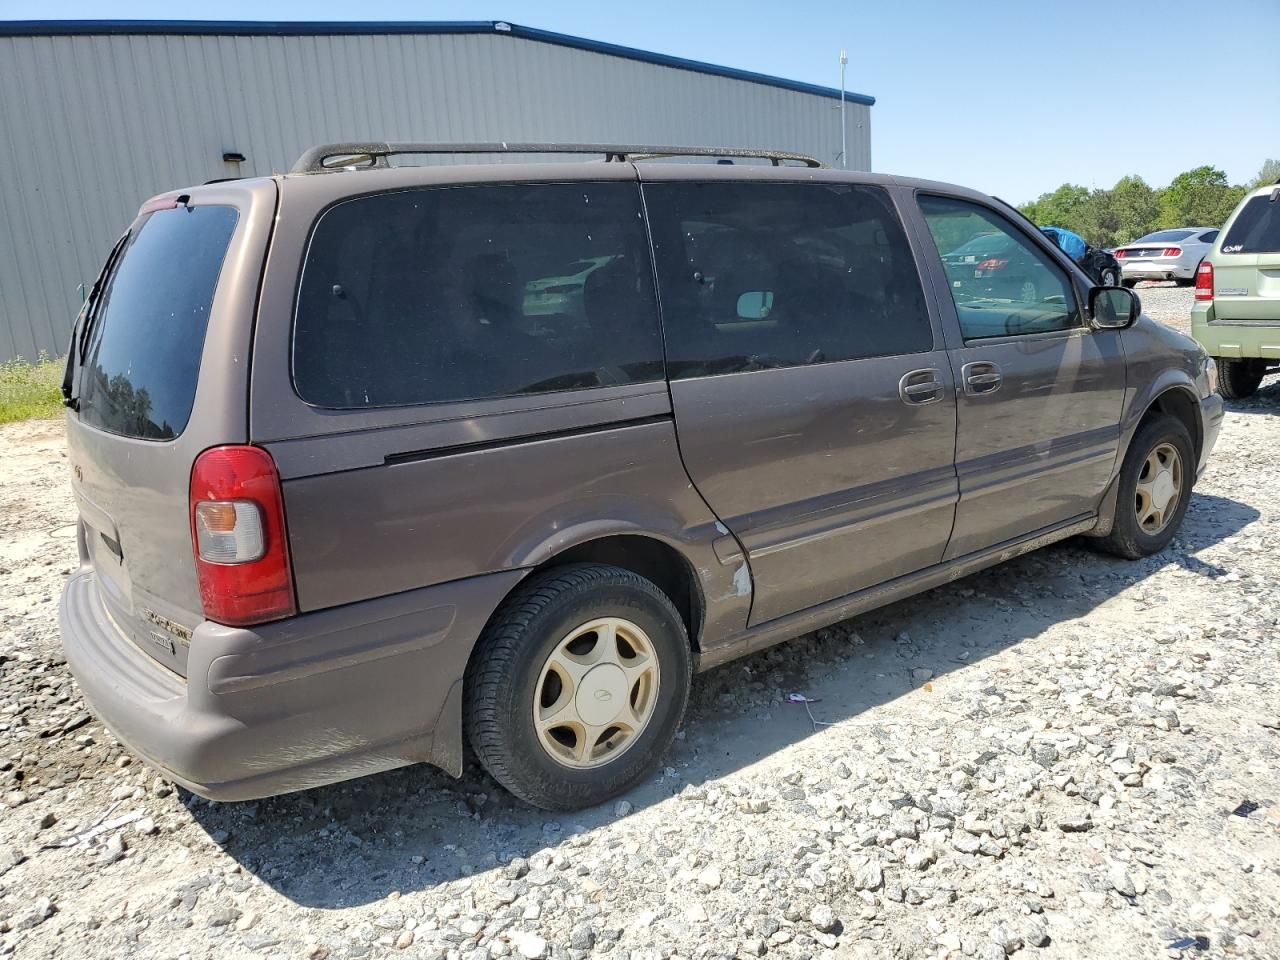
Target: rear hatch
1246 265
155 375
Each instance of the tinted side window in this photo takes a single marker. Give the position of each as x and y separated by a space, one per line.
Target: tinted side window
143 359
463 293
759 275
1002 284
1256 229
1209 237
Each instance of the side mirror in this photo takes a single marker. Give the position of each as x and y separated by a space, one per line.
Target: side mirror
1114 308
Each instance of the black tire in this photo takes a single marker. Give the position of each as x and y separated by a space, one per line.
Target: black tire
1180 281
1109 278
1238 379
1130 284
1127 539
504 670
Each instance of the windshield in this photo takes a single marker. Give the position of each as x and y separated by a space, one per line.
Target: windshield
143 357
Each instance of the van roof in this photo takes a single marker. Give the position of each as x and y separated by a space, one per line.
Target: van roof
340 183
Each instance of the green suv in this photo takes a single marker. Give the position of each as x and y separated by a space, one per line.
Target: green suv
1237 312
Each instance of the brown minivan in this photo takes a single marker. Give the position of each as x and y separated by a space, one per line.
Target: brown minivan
373 461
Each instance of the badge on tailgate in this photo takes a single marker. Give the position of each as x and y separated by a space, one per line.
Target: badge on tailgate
177 629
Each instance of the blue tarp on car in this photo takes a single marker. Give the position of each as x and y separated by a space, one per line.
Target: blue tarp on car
1072 244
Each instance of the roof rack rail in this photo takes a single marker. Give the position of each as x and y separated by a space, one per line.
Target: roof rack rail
329 157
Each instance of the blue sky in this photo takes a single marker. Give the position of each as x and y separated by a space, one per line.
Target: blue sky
1013 97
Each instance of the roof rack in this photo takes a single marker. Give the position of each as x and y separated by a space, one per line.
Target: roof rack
329 157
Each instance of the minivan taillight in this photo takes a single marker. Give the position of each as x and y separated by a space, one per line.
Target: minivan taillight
238 535
1204 281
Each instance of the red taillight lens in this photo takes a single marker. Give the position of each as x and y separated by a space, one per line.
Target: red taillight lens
238 536
1204 281
1121 254
1171 252
992 264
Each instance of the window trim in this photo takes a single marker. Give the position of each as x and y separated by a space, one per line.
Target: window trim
458 409
1038 240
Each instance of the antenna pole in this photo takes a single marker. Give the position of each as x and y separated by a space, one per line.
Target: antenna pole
844 140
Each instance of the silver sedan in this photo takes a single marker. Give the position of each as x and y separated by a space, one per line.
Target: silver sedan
1166 255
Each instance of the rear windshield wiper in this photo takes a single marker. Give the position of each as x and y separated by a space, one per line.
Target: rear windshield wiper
88 314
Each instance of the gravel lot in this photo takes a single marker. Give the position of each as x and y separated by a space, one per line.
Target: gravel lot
1067 756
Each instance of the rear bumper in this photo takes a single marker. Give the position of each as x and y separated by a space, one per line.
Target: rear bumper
1231 340
1151 270
312 700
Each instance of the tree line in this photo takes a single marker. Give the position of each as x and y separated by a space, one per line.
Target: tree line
1111 218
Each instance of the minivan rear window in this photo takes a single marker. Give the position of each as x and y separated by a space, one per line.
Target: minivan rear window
474 292
142 361
1256 229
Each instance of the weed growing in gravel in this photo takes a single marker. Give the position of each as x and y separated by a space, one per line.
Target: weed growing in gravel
30 390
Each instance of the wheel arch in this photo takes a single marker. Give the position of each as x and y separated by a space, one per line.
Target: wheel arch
1168 395
1180 402
649 557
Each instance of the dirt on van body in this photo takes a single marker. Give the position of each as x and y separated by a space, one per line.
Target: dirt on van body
1066 756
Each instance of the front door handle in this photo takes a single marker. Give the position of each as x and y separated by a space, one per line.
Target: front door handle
981 377
921 386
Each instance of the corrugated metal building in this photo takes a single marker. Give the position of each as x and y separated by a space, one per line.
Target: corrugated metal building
97 116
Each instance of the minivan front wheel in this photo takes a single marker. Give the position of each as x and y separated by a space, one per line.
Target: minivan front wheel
1155 489
577 686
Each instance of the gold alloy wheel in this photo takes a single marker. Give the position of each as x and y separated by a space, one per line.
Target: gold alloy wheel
596 693
1159 488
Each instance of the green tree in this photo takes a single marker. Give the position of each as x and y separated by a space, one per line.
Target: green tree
1199 197
1269 174
1095 219
1105 218
1060 208
1136 211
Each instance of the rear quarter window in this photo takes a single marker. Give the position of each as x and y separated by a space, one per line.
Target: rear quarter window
475 292
1256 229
142 359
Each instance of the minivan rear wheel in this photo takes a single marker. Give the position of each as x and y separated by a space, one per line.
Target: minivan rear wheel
1238 379
577 686
1155 489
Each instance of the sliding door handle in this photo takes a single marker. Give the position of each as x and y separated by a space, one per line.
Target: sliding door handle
981 377
921 386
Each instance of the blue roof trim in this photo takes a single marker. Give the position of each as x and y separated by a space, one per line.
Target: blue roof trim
311 28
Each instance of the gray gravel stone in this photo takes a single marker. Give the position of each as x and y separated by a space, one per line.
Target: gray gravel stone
823 918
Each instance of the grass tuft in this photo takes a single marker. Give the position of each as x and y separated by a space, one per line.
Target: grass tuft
30 390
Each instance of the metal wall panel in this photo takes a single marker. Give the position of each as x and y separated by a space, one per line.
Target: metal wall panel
91 126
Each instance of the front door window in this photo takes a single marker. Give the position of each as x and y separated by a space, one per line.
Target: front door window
1002 283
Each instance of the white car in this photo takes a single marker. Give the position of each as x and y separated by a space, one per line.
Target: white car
1166 255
